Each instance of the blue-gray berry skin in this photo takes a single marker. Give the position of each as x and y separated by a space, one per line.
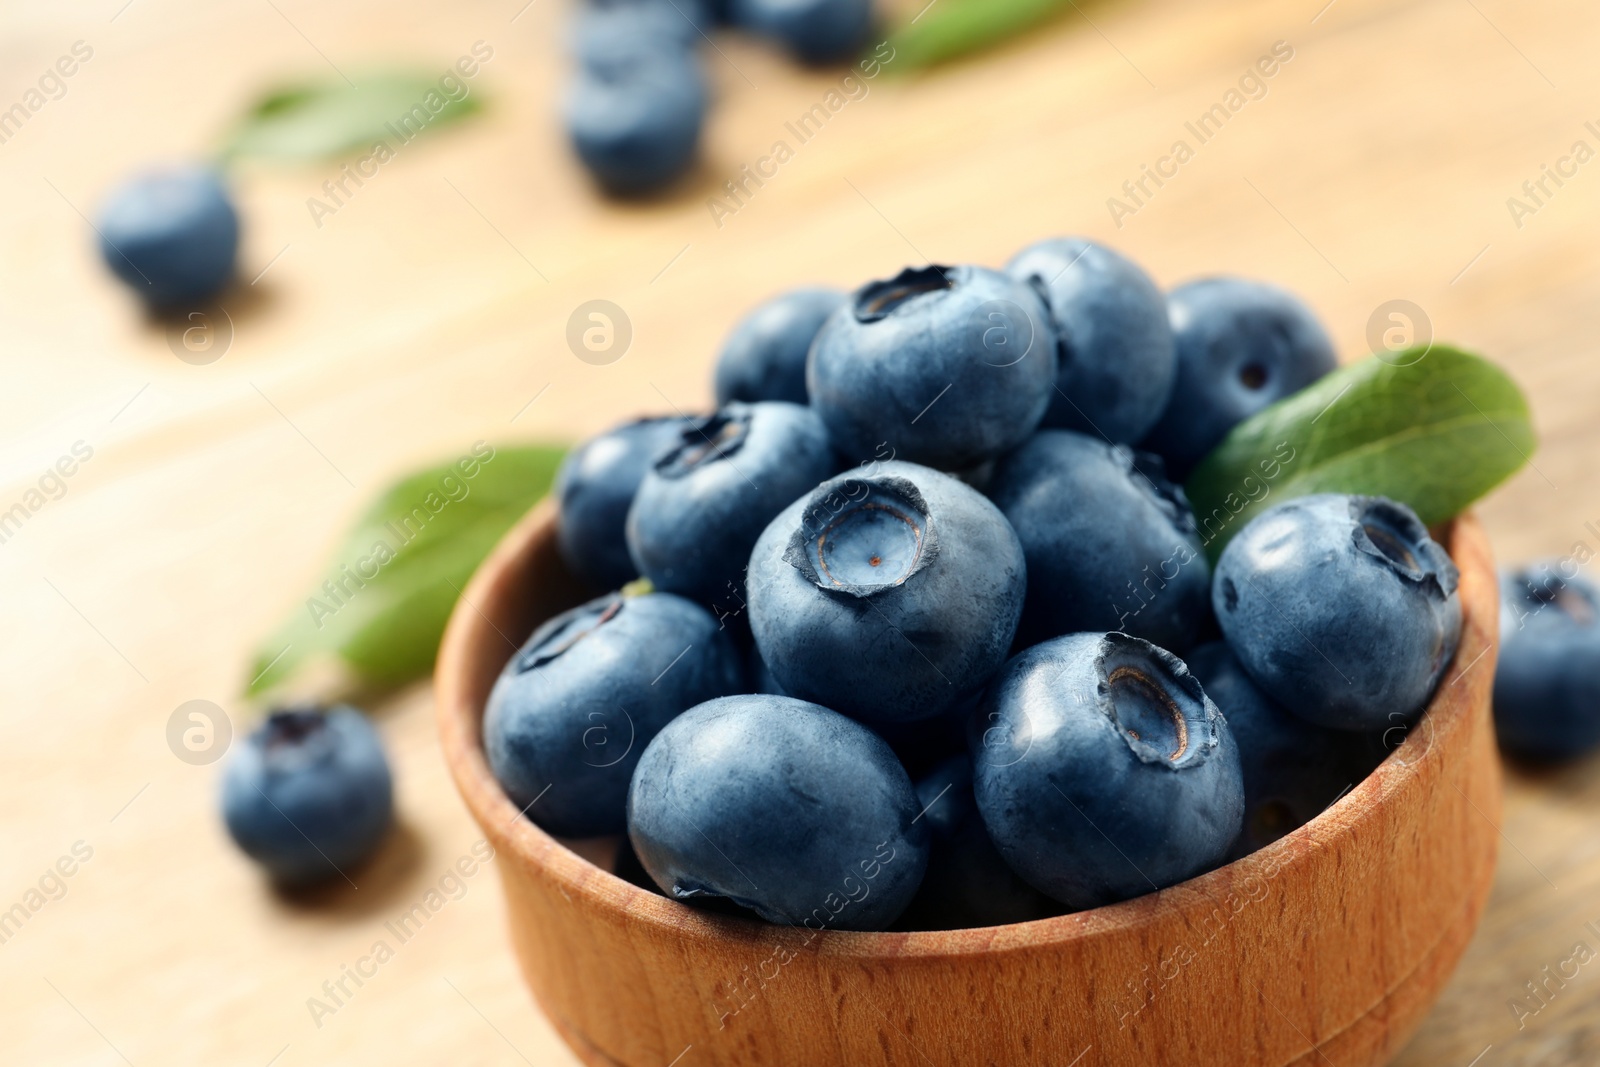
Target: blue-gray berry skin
308 795
887 594
1108 547
1293 770
944 366
1341 608
1103 772
595 486
1547 685
1114 344
635 119
617 30
968 883
572 712
1241 345
764 357
704 502
782 806
813 31
171 235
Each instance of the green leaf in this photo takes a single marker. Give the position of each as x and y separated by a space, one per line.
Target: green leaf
949 29
327 120
398 572
1435 428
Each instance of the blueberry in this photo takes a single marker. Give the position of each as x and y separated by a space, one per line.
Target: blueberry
765 356
596 485
944 366
616 30
1341 608
1108 547
635 120
1293 770
1241 346
172 235
968 884
1112 338
308 794
1104 771
814 31
702 505
784 807
889 595
1547 687
572 712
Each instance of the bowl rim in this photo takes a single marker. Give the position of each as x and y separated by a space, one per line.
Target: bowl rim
460 722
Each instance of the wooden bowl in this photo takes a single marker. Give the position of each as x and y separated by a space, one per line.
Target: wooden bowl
1327 947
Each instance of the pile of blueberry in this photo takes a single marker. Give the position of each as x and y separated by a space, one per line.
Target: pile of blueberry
908 633
637 103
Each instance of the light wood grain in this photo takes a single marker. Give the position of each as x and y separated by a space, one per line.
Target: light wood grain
407 327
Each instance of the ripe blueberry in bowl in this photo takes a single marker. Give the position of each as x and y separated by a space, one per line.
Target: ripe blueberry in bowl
782 806
1109 546
1547 686
1113 341
1241 345
1341 608
1103 771
764 358
596 485
968 884
814 31
944 366
887 595
635 118
171 235
704 502
572 712
308 795
1293 770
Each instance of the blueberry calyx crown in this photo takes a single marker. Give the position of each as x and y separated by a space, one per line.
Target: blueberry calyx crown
1154 702
294 736
707 440
1150 472
860 536
1541 587
1392 533
564 631
878 300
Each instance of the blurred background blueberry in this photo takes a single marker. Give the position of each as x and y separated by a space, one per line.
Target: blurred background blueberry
1547 685
635 115
784 807
308 795
1241 345
764 358
813 31
595 486
171 235
572 712
1117 361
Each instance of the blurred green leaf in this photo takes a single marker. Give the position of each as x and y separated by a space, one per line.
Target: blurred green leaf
392 583
327 120
948 29
1434 428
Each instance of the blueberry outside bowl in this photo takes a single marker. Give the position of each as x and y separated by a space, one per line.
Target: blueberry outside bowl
1327 947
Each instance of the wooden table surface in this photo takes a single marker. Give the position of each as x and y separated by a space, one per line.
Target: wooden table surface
431 308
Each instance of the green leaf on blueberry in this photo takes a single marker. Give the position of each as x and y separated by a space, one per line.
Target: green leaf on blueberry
380 114
392 583
1435 428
